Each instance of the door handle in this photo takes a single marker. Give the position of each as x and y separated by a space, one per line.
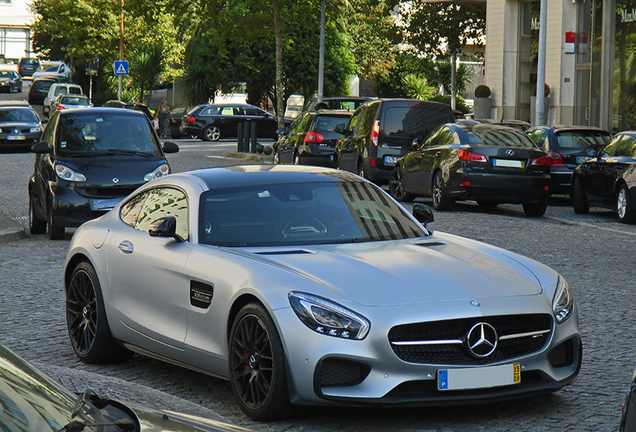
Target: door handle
126 247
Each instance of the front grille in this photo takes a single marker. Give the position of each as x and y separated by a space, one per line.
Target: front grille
10 130
510 330
562 355
106 192
336 372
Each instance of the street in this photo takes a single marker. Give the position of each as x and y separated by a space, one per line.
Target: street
593 252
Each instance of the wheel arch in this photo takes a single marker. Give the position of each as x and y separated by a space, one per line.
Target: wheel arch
73 262
238 304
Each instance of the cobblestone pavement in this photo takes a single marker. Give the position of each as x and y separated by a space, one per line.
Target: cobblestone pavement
593 252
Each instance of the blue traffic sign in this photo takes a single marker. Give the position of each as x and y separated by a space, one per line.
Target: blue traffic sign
121 67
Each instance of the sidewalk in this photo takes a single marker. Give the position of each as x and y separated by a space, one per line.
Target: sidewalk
10 229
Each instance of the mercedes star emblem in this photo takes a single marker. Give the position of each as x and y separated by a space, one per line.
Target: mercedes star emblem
482 340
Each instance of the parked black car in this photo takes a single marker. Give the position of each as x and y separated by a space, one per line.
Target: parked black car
382 131
27 66
213 122
33 401
177 115
628 418
40 88
10 81
88 161
608 180
20 126
567 147
347 103
482 162
310 139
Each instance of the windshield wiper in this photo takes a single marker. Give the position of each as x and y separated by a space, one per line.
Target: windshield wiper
130 152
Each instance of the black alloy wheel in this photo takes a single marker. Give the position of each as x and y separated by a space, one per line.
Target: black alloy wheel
36 225
624 207
86 320
257 365
535 209
396 186
211 133
440 202
55 232
579 199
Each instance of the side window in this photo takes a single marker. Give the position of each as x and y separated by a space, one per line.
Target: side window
434 138
623 147
302 126
445 136
162 202
48 135
351 126
253 112
227 111
210 111
367 119
538 137
130 211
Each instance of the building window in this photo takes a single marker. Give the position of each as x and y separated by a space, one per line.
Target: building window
5 2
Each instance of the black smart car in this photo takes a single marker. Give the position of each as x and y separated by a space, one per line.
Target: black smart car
567 146
88 161
608 180
310 139
20 126
382 131
482 162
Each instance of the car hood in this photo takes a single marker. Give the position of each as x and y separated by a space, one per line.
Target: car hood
127 170
403 272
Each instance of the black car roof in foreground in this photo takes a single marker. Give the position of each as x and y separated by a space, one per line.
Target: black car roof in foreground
101 110
254 175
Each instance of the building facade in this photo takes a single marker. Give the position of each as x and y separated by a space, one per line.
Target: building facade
590 61
15 29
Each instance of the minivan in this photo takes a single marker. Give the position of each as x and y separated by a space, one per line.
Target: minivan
382 131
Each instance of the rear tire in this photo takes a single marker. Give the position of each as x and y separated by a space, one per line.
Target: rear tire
626 213
36 225
579 199
396 186
440 202
211 133
535 209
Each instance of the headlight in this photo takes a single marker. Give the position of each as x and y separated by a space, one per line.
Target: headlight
326 317
68 174
35 129
159 172
563 301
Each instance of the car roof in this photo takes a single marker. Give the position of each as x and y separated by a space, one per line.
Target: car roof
255 175
14 103
101 110
565 128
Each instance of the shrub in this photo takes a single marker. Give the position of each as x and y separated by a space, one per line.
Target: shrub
482 91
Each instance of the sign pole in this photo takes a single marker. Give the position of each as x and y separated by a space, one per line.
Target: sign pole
121 49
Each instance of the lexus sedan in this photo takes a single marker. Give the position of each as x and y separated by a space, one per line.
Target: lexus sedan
608 179
470 161
310 285
628 418
88 161
33 401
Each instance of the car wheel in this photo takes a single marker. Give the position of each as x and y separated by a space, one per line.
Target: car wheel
487 204
36 225
440 202
626 213
579 199
211 133
258 374
396 187
55 232
535 209
86 320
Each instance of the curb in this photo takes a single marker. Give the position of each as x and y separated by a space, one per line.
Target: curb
10 229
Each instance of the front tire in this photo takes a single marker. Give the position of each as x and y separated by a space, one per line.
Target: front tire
211 133
579 199
440 202
257 365
535 209
86 320
626 213
396 186
36 225
55 232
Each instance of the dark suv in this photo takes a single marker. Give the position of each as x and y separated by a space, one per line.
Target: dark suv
28 66
382 131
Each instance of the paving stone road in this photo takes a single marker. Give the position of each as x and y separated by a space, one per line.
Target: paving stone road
593 252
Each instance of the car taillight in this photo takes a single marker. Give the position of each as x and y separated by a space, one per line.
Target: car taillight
189 119
314 138
556 158
465 155
543 161
59 107
375 132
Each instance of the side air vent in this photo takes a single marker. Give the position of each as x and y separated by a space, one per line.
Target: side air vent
431 243
201 294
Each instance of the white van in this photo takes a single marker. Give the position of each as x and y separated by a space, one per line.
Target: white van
56 90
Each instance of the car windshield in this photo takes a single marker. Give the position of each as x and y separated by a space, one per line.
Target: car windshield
329 123
582 139
90 133
51 68
18 115
302 213
499 136
4 74
70 100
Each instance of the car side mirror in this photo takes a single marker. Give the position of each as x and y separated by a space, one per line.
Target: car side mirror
170 147
423 213
340 128
280 131
165 227
42 147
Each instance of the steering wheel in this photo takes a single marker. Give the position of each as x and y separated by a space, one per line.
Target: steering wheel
128 144
304 226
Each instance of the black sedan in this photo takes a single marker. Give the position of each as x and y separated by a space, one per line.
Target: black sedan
213 122
20 126
567 147
33 401
10 81
311 138
608 180
88 161
628 419
486 163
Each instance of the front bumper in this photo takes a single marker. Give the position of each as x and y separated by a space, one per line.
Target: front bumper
19 140
502 188
191 130
368 372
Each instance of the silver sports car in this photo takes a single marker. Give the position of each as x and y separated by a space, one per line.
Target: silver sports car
305 285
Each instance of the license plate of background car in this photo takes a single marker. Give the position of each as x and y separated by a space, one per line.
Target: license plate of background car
390 160
581 159
16 137
507 163
476 378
